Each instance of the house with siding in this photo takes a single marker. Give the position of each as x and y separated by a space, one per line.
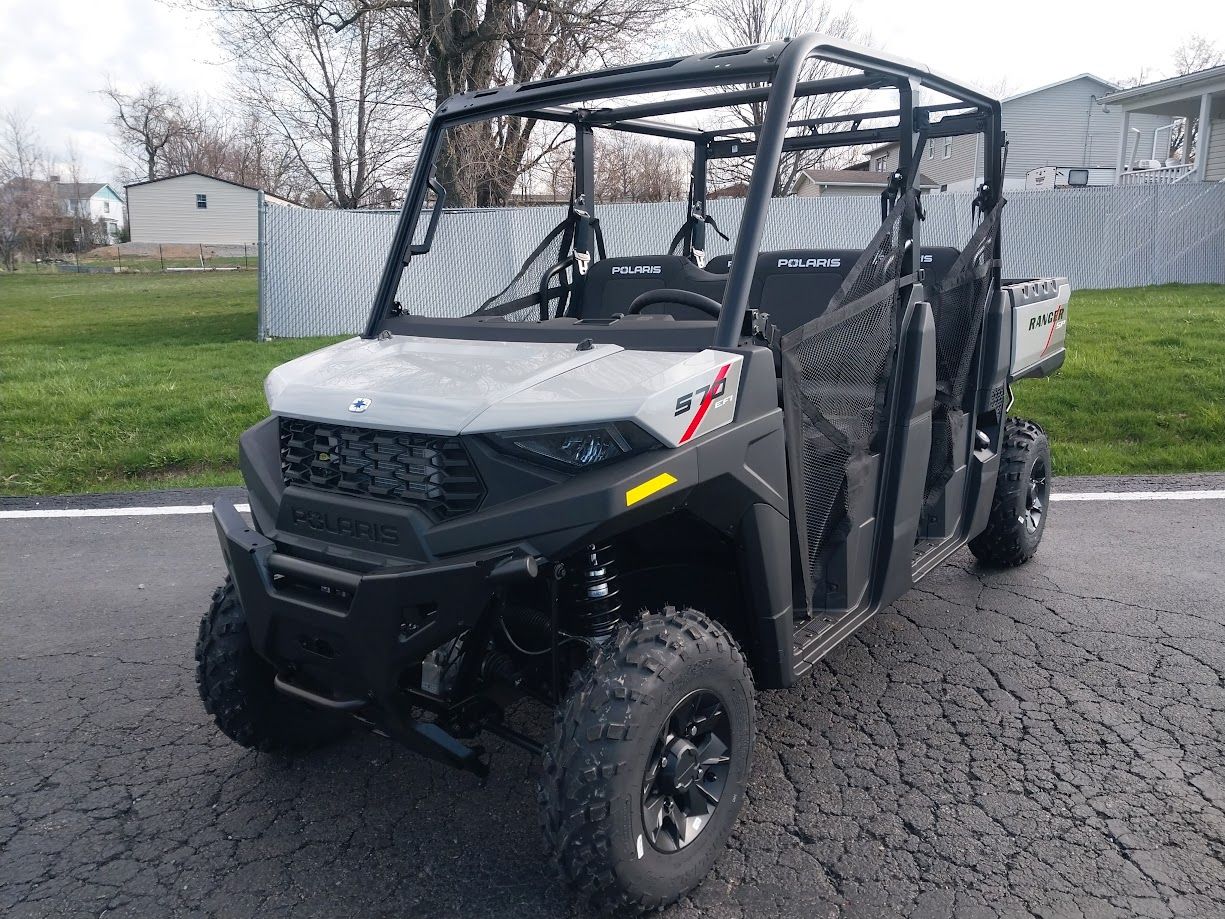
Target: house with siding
1194 104
196 208
1068 123
95 206
816 183
76 213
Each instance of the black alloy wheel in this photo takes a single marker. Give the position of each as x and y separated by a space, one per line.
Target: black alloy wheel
1036 496
687 771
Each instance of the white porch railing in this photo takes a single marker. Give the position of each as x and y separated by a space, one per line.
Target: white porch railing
1166 175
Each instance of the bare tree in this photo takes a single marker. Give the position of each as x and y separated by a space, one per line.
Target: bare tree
441 46
551 177
1196 53
630 168
462 45
332 80
236 142
80 219
147 122
27 209
736 23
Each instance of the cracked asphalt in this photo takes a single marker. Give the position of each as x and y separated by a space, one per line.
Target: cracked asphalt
1046 741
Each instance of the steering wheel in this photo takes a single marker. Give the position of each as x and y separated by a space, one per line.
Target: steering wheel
672 295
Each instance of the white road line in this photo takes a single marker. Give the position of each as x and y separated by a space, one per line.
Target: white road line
176 510
1189 495
170 510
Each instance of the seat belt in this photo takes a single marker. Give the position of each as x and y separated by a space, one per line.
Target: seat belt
699 257
583 259
899 184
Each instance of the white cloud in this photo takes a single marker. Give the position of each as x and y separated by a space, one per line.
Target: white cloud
1037 42
56 54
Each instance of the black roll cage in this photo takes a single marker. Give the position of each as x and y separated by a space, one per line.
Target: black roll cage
772 72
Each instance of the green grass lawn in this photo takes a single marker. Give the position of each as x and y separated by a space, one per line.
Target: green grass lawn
1143 388
112 382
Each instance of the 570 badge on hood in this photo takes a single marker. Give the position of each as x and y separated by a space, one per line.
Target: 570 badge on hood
685 403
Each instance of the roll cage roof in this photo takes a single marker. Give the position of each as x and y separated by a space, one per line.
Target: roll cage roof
772 72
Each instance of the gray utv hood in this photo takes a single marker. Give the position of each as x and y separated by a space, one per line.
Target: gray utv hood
440 384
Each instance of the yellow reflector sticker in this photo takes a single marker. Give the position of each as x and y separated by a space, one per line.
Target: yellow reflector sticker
648 488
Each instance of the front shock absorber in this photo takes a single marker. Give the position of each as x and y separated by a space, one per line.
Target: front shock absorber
590 596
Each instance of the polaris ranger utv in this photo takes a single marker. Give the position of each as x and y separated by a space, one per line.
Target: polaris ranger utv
635 488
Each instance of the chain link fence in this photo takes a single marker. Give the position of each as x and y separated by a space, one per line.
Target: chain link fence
319 269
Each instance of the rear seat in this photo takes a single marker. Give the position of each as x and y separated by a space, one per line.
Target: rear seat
796 286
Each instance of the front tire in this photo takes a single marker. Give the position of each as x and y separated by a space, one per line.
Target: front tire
649 760
235 685
1021 502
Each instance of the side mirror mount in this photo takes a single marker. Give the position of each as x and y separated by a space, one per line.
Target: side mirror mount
440 197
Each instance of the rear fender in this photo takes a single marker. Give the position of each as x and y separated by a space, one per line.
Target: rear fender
1040 326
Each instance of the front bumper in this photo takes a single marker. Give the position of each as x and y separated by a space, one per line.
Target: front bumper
346 640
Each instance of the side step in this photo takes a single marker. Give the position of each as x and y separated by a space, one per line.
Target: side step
821 634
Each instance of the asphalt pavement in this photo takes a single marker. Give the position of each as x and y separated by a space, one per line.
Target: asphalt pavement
1046 741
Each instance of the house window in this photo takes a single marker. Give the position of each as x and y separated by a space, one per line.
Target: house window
948 147
106 207
931 151
881 163
202 202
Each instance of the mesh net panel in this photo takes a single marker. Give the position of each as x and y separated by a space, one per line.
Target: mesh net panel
824 484
836 371
959 303
520 300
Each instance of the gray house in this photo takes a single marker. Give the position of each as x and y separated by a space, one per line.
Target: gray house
817 183
196 208
1062 124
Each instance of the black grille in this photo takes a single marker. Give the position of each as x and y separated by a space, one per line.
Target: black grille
428 471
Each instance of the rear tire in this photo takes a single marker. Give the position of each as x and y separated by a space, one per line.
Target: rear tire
1022 498
235 684
661 722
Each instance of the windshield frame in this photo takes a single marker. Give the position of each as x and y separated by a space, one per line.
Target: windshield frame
772 71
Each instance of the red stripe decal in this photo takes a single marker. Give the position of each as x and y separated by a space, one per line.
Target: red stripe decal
1051 334
706 400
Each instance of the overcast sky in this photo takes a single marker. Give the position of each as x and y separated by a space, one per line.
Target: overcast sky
56 54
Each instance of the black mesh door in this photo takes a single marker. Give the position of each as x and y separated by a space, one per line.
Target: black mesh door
959 302
836 373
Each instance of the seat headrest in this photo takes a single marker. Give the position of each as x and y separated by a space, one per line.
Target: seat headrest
807 261
794 260
936 262
613 283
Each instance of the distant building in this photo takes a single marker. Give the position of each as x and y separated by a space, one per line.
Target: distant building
71 213
1068 123
94 206
196 208
735 190
536 199
818 183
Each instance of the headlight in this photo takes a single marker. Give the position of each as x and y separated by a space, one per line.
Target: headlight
577 446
